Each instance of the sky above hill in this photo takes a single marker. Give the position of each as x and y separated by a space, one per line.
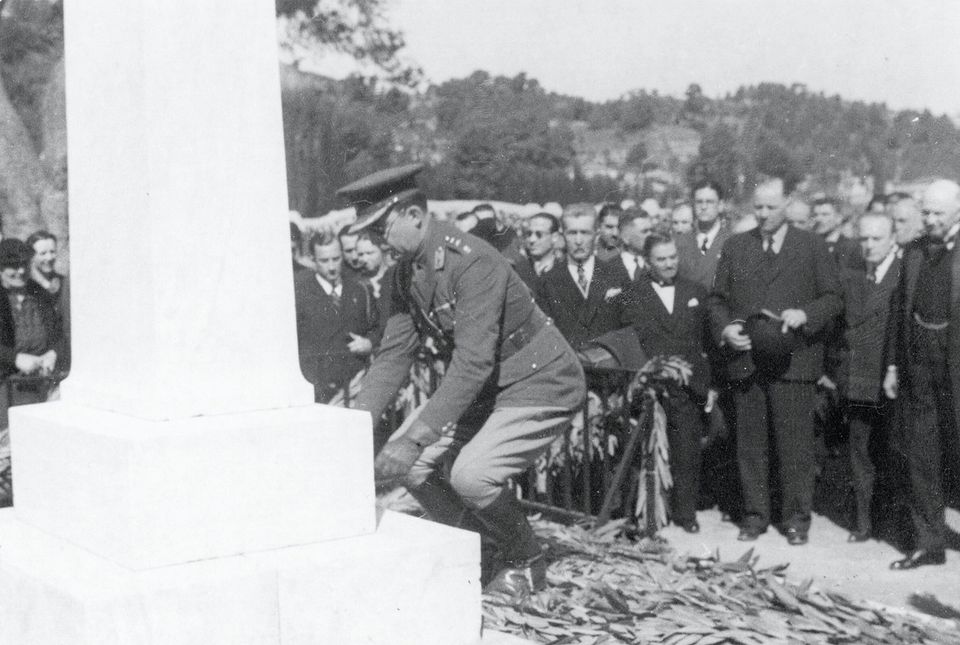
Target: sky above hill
904 53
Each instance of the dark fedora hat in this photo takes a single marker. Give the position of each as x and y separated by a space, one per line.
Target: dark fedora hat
772 348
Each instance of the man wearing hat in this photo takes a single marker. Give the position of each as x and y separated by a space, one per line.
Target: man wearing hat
512 383
776 290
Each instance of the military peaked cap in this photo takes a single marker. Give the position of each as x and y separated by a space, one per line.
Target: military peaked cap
375 194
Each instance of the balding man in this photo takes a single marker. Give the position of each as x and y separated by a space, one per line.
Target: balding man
799 215
867 288
925 350
907 221
775 291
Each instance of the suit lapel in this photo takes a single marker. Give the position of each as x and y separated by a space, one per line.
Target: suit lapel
911 265
654 305
595 296
758 257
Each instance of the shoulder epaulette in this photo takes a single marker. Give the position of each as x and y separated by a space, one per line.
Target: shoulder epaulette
456 244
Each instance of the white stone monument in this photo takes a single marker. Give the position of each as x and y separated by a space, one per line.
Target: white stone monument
186 490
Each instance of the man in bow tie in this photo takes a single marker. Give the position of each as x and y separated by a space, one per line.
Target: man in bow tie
668 314
924 366
775 270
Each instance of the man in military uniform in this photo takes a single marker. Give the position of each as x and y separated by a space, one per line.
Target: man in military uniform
512 383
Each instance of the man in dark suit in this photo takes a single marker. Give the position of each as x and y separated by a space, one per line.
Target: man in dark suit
924 354
337 321
629 264
580 294
828 224
608 240
867 289
668 314
774 272
699 250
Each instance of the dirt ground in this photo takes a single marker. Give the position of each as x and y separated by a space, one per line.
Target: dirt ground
859 570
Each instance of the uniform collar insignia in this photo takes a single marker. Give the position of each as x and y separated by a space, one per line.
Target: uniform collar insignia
438 257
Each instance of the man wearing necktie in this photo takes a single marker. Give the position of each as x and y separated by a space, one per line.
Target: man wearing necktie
580 295
924 367
867 289
511 384
338 322
699 250
780 272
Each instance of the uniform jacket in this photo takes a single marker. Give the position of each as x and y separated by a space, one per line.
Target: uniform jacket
683 333
581 319
801 276
697 266
866 314
901 317
323 330
460 296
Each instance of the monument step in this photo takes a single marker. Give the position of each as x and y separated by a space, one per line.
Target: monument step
155 493
412 582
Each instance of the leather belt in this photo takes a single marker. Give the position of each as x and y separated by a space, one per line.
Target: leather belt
520 337
932 326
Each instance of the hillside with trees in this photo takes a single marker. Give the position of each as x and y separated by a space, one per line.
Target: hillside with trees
482 136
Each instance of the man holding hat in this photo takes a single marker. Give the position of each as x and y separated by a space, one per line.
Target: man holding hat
512 383
775 292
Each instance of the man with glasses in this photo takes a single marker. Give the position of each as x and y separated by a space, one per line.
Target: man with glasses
511 384
699 250
539 232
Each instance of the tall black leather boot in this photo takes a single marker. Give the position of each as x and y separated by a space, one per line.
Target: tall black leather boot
526 570
445 506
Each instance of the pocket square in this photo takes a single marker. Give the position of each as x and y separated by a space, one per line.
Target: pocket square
612 293
693 302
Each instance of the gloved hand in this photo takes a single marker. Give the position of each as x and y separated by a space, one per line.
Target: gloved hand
396 458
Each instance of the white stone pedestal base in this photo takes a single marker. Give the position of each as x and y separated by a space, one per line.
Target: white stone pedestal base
412 582
148 494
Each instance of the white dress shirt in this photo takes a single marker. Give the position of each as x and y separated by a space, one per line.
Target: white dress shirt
884 266
630 263
667 293
329 288
776 240
709 236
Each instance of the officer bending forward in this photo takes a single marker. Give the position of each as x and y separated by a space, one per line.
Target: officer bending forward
511 386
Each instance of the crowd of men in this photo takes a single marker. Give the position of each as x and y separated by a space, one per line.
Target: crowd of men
772 308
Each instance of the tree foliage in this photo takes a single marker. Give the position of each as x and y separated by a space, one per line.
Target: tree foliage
357 28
